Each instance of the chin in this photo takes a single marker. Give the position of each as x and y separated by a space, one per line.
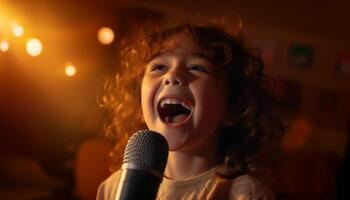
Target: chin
175 141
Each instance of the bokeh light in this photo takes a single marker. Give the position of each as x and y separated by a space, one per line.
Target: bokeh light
17 30
70 70
298 134
4 46
34 47
105 35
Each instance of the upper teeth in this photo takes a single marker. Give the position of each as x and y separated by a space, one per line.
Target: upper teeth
173 101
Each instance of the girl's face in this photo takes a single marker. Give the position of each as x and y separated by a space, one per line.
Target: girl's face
182 97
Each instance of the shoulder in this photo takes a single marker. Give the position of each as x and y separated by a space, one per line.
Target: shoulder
108 187
247 187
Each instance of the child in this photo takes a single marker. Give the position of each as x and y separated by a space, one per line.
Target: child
208 96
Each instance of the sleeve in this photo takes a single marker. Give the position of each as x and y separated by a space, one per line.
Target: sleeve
101 192
249 188
107 189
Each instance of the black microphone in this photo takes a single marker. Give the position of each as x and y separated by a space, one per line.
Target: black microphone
144 162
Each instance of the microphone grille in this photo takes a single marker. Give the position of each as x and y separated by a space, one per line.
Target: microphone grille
148 149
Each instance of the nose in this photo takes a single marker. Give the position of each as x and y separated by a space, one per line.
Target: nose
174 78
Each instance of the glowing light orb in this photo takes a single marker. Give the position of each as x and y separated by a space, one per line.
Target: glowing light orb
34 47
70 70
105 35
4 46
17 30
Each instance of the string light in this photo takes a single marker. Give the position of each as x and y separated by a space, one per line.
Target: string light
105 35
34 47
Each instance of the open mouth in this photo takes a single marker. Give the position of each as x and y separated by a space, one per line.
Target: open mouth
173 111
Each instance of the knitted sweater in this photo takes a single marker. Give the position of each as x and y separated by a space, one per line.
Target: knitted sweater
204 186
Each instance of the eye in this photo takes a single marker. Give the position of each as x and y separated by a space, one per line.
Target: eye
157 67
196 67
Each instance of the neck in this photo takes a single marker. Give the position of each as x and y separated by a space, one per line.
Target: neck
182 165
186 166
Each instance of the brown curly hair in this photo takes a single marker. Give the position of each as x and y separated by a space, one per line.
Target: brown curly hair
250 92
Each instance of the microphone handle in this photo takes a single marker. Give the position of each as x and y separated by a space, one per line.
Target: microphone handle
135 184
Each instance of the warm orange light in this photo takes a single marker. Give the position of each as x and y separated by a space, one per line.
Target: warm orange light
105 35
4 45
34 47
70 70
298 134
17 30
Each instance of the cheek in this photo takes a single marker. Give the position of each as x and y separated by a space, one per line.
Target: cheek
148 91
145 91
211 90
212 100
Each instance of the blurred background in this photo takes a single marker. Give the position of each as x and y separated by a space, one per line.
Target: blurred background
56 55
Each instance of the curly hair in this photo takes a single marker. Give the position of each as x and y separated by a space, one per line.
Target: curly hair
250 92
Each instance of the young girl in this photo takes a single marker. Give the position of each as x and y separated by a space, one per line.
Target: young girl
207 95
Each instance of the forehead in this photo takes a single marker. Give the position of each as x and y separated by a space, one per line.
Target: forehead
184 43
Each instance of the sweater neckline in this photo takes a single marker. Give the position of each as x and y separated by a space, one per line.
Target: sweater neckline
190 181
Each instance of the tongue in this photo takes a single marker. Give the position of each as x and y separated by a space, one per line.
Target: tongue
176 119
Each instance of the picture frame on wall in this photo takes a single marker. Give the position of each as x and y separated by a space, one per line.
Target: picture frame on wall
301 56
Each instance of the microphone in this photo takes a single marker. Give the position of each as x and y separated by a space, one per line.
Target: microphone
144 162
